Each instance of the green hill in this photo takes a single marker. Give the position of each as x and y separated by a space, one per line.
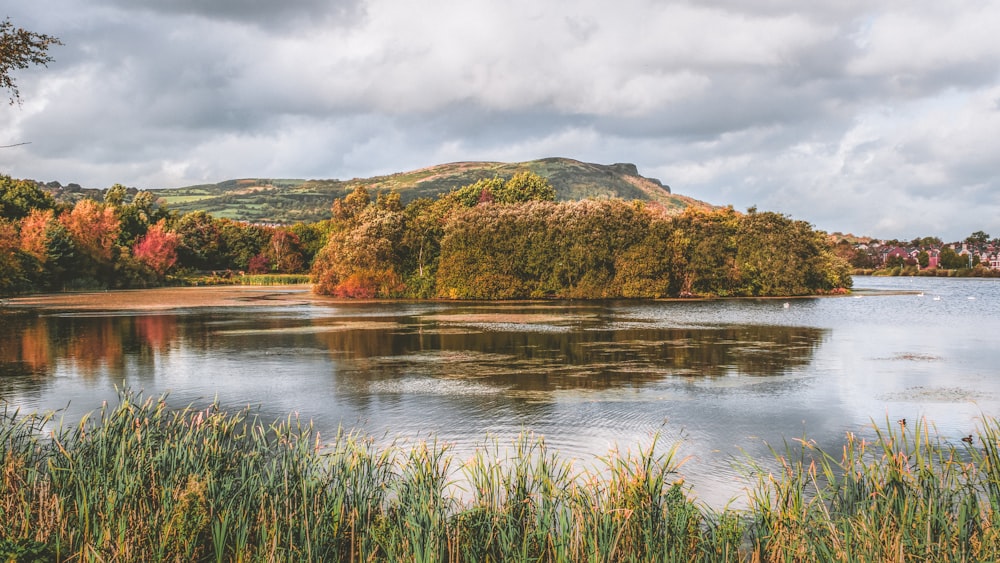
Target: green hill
289 201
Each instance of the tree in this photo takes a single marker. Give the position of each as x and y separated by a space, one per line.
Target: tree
201 245
158 249
284 252
950 260
520 188
19 197
13 279
526 186
20 49
978 237
924 259
360 257
94 228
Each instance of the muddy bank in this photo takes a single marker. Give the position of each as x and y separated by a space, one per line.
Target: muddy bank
167 298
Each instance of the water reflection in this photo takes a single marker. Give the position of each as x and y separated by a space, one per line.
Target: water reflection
721 378
85 345
562 351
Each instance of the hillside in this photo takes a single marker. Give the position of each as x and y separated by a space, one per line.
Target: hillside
289 201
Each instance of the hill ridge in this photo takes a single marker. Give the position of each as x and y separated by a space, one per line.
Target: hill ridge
272 200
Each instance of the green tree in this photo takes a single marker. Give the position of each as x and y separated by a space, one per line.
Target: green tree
241 243
115 195
13 276
312 238
520 188
201 244
978 237
777 256
951 260
420 250
20 49
19 197
525 186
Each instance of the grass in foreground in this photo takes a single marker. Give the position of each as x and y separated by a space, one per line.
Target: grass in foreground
140 481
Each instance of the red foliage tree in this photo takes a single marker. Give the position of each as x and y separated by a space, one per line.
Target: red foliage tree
158 249
259 264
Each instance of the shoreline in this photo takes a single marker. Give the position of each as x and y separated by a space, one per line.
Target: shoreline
191 297
168 298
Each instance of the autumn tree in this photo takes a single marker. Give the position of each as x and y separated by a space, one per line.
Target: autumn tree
157 249
20 49
284 252
35 233
649 268
93 228
361 256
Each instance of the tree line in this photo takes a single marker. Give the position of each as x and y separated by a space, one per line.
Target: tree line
509 239
126 240
494 239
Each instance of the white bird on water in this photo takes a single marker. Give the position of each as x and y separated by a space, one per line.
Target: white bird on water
787 305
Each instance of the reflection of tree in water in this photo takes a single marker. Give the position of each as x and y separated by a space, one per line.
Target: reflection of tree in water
89 345
582 351
578 358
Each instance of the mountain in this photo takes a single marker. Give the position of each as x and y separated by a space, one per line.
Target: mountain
288 201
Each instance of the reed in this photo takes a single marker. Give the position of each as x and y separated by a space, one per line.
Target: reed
905 496
272 279
140 481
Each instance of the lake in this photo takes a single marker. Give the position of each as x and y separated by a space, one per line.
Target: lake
723 379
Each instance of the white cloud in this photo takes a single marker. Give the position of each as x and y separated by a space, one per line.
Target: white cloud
876 117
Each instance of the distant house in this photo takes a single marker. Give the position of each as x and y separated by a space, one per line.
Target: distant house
933 258
888 253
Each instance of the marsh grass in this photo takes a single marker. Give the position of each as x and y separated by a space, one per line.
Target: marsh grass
140 481
229 278
905 496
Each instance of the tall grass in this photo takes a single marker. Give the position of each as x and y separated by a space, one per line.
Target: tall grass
230 278
142 481
906 496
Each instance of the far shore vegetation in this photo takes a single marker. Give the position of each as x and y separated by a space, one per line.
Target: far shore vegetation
142 481
977 256
497 238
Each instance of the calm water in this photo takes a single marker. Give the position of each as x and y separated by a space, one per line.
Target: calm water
723 379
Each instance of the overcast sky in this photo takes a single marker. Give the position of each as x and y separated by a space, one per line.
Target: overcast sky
877 117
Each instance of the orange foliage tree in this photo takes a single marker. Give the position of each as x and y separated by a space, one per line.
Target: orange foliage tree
34 233
94 229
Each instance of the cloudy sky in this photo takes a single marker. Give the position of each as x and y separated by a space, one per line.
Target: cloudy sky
878 117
